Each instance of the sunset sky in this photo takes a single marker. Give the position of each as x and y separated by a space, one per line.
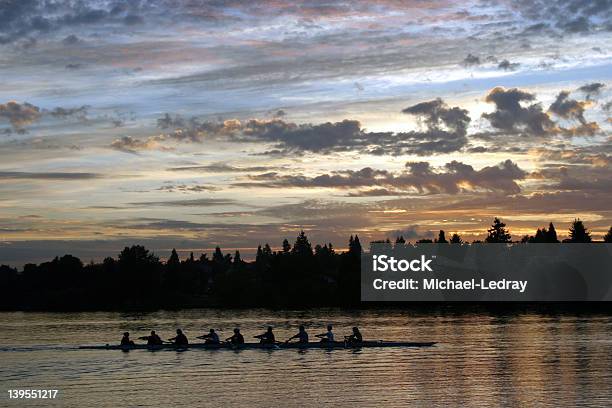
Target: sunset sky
194 123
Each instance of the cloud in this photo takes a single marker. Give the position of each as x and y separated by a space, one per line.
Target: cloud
22 114
571 109
445 131
508 66
568 108
71 40
19 115
23 18
19 175
446 128
511 116
63 113
221 167
592 89
129 144
198 202
420 177
184 188
471 60
577 25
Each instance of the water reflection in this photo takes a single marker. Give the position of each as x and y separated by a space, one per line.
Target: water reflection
482 360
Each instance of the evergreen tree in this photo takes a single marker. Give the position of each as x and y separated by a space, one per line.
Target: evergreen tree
541 236
497 232
237 258
400 240
218 255
174 259
456 239
302 246
267 251
578 232
286 246
608 237
551 235
355 246
441 238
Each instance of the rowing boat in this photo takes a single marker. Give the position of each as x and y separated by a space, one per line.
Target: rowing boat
227 346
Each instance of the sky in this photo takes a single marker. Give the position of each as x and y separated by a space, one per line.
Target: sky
190 124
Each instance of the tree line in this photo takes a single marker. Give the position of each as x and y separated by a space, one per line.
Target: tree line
296 275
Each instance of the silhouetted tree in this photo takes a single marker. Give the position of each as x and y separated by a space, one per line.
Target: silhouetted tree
354 246
497 232
237 258
425 241
286 246
578 232
139 269
441 238
174 259
302 246
608 237
218 255
456 239
551 235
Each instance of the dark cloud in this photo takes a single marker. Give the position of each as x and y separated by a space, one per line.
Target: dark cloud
446 128
20 175
133 19
568 108
64 113
471 60
568 17
19 114
508 66
185 188
71 40
21 18
577 25
571 109
591 89
222 168
511 116
419 177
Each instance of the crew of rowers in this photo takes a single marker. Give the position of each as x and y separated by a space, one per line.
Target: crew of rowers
265 338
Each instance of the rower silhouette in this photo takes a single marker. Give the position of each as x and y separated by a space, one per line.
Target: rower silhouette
327 337
153 339
125 341
302 336
267 337
237 338
180 339
354 339
210 338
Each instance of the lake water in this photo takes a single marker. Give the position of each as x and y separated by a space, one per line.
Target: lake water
483 359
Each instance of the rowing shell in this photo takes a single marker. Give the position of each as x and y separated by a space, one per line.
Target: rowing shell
326 345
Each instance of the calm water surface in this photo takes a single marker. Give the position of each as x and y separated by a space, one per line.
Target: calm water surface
482 360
